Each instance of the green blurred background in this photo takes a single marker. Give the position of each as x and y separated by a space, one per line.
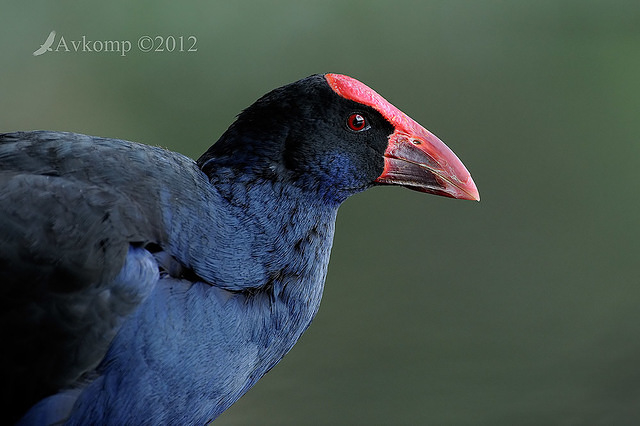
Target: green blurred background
523 309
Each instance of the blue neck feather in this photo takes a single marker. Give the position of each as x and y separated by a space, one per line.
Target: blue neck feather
199 346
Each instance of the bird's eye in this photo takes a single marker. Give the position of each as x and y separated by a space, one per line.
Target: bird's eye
357 123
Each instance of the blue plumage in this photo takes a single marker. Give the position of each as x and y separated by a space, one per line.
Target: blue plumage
193 346
142 287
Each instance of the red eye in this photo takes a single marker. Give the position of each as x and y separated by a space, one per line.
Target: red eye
356 122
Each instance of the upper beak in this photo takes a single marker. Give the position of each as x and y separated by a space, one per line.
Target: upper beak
417 159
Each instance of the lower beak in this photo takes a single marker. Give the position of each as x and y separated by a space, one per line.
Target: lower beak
424 163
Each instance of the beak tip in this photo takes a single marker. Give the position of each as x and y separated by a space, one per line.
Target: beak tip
470 190
474 192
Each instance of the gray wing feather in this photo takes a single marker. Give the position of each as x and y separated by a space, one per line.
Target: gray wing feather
72 267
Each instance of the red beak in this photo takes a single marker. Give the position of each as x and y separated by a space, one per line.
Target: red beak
414 157
417 159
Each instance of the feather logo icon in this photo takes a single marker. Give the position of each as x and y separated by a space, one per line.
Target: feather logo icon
46 47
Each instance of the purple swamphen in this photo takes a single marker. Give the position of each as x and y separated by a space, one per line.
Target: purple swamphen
142 287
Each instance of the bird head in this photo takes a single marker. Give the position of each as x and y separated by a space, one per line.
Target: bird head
333 135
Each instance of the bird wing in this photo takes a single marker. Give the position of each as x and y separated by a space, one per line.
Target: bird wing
40 51
50 39
72 267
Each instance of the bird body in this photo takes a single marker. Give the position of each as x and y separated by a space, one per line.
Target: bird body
142 287
240 235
